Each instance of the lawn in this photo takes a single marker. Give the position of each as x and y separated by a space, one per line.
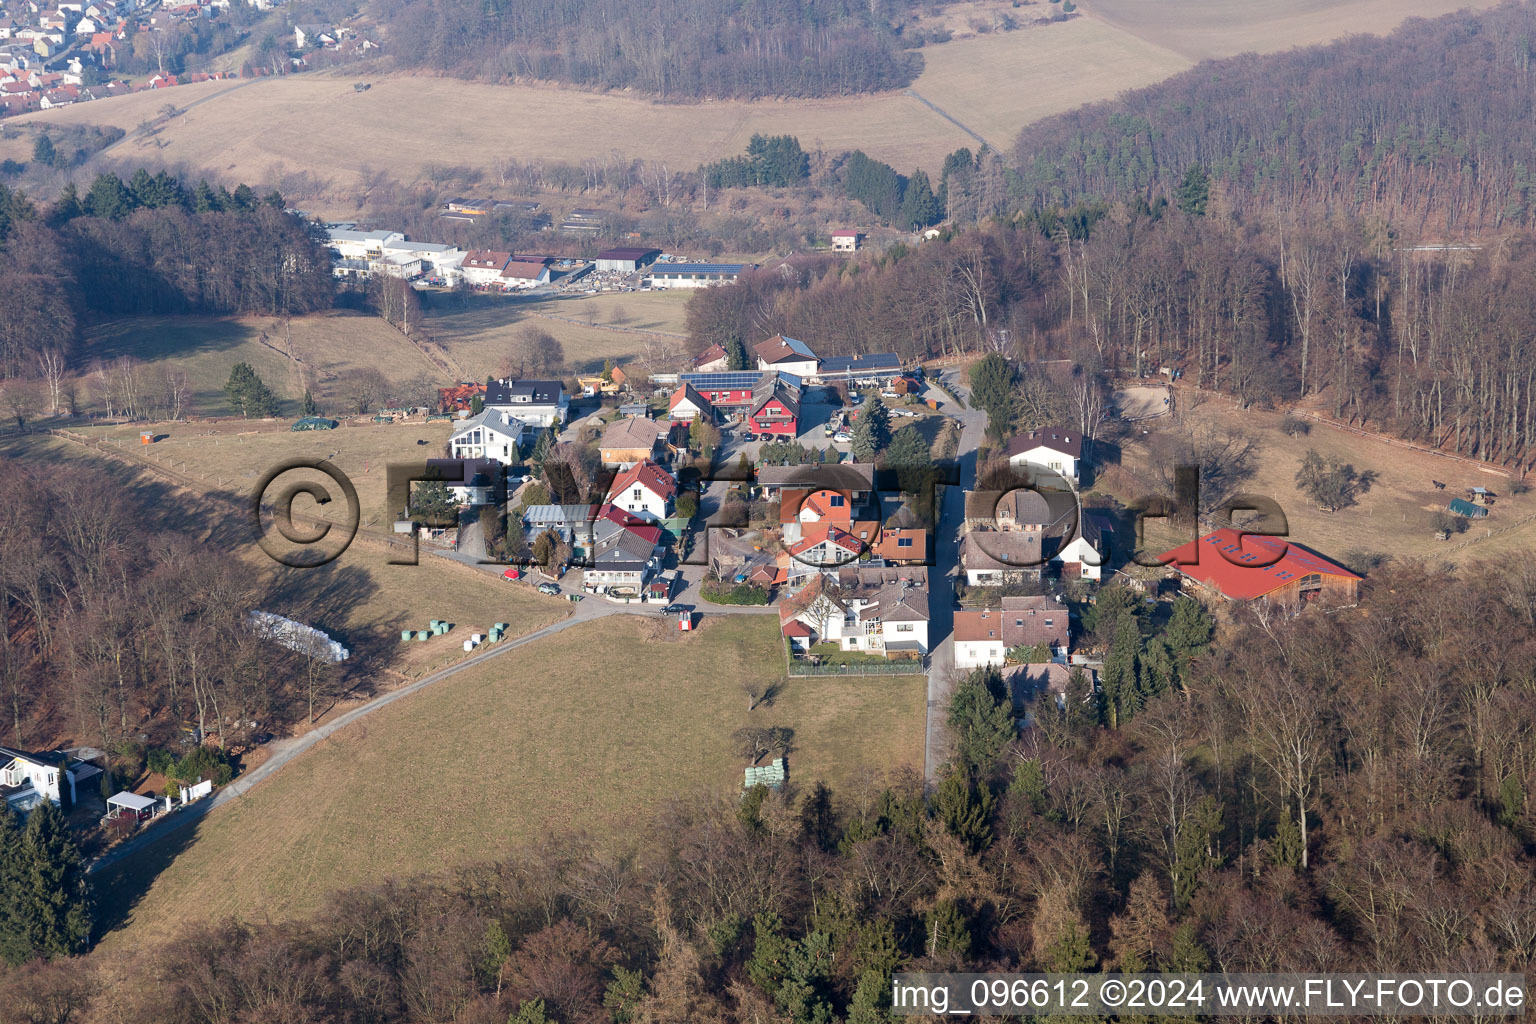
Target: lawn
327 345
594 728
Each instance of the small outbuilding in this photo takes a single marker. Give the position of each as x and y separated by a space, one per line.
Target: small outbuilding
1463 507
315 423
131 805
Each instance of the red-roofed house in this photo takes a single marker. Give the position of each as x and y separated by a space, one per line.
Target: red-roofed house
1246 567
687 404
458 397
524 274
712 360
821 549
644 489
483 266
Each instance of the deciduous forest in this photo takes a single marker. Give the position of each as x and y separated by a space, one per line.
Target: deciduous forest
678 49
1428 128
1433 346
1340 793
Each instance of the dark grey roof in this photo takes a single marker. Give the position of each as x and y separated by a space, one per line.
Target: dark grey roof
841 476
1060 439
876 362
523 392
621 549
771 386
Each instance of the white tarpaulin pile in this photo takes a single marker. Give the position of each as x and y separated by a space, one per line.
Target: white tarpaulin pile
298 637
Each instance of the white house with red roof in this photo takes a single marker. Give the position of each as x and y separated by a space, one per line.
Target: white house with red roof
687 404
846 239
483 267
644 489
822 549
712 360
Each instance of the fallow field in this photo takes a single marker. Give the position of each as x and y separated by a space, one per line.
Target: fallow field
985 86
592 729
205 348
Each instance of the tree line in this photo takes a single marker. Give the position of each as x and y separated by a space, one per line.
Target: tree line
1432 346
114 626
148 245
1329 792
678 49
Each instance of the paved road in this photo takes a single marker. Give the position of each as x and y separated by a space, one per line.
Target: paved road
941 643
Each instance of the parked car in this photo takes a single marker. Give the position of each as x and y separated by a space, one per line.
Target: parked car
512 574
549 588
675 609
902 412
749 437
842 437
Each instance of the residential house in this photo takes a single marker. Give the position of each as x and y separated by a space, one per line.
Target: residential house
27 779
775 407
644 489
993 559
1057 450
482 267
879 369
687 404
890 619
789 484
628 441
822 549
985 637
787 354
518 274
1248 567
538 403
473 207
1086 554
800 510
471 481
493 434
571 523
730 389
846 239
621 562
901 545
712 360
1009 535
460 397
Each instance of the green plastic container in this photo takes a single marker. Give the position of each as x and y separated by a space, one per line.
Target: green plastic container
434 623
422 634
407 634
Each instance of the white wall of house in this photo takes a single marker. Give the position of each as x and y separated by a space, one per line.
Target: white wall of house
1080 551
977 653
480 275
641 501
43 777
997 577
800 367
1042 457
488 441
